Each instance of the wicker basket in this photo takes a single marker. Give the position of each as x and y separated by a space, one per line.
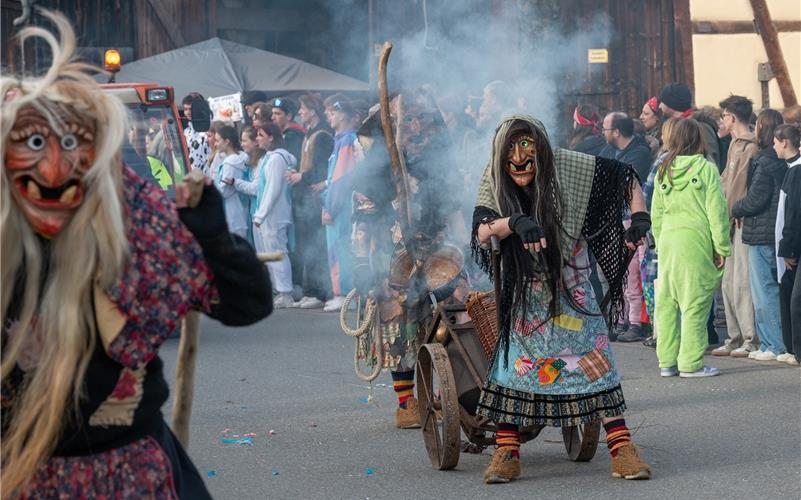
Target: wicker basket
481 309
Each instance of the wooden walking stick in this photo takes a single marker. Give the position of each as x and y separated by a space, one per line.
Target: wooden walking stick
398 168
187 348
190 333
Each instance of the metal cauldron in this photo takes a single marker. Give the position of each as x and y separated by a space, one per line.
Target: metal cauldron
442 270
401 269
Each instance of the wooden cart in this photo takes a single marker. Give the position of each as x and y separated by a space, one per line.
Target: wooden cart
450 373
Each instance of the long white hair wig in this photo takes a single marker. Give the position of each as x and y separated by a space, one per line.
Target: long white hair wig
54 315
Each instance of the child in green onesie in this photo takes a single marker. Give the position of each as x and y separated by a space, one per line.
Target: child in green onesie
691 227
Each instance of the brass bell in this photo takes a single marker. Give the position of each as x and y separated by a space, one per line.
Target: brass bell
442 333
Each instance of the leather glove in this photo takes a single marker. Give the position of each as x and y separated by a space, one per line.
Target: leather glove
525 227
640 224
206 220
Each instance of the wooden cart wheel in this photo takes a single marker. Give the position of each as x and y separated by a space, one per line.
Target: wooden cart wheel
438 405
581 441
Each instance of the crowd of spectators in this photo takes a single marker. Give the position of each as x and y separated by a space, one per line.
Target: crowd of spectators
286 183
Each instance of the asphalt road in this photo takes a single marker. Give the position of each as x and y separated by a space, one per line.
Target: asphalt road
289 380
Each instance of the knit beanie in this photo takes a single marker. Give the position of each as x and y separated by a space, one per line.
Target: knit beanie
677 96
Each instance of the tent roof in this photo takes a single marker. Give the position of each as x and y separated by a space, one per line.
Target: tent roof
220 67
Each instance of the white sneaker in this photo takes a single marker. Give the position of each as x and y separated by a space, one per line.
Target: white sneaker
741 352
302 301
310 303
334 305
765 356
283 301
754 354
792 361
783 358
706 371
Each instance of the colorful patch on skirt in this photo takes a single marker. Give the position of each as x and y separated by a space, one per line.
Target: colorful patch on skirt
549 370
527 328
595 364
579 296
523 365
568 322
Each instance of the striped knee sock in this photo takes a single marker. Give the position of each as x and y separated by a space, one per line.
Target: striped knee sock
403 383
508 435
617 435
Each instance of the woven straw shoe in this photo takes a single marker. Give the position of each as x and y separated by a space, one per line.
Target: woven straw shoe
503 467
409 417
628 464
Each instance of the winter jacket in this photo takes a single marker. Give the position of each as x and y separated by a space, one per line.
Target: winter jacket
758 208
592 145
293 139
790 200
637 154
735 176
709 134
313 168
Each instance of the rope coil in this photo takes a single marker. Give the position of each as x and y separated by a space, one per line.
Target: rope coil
369 322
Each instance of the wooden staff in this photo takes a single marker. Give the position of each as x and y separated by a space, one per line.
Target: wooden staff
190 333
398 168
185 377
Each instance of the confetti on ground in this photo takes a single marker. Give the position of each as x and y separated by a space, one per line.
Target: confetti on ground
275 471
225 431
250 434
211 473
312 424
365 400
272 432
236 440
370 471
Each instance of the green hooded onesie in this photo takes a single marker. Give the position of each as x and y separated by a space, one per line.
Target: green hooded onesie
690 224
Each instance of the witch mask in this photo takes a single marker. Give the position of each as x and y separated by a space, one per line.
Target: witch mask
521 160
46 165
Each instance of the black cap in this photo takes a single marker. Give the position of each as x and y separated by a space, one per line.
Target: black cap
285 105
677 96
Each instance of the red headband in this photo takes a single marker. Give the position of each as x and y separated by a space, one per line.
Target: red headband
586 122
653 103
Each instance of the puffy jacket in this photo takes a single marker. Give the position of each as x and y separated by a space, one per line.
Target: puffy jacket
790 243
758 208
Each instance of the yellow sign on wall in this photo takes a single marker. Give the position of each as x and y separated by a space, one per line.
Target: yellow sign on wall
597 56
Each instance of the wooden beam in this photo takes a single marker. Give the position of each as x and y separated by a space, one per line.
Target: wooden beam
252 19
684 43
172 30
740 27
770 39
